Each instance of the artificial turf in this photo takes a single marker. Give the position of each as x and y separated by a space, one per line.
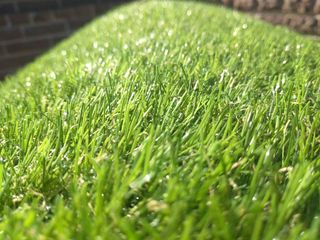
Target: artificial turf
164 120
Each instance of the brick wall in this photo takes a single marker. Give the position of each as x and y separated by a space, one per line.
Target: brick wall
30 27
300 15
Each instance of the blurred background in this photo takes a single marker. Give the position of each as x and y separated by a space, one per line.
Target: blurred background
30 27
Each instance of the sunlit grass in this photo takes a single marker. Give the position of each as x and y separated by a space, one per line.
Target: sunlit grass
164 121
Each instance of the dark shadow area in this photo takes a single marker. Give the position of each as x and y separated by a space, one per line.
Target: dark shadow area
29 28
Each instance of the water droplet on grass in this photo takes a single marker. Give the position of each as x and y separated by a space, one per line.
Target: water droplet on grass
155 222
287 48
52 75
121 17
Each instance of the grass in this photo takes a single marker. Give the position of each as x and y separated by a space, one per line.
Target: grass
164 121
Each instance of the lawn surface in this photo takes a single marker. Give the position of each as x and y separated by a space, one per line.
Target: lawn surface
164 121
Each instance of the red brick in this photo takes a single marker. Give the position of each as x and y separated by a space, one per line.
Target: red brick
308 25
268 4
37 5
2 51
103 7
10 34
305 6
56 39
65 14
275 18
12 62
71 3
316 7
77 23
85 11
19 19
42 17
45 29
290 5
317 31
7 7
244 4
3 22
28 46
293 20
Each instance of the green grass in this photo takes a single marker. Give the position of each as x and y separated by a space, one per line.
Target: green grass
164 121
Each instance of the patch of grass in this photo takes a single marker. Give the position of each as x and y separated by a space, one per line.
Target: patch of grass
164 121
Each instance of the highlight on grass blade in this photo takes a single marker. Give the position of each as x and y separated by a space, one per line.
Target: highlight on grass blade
1 176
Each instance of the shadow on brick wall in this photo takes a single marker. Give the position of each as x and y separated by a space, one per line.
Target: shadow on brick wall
300 15
30 27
